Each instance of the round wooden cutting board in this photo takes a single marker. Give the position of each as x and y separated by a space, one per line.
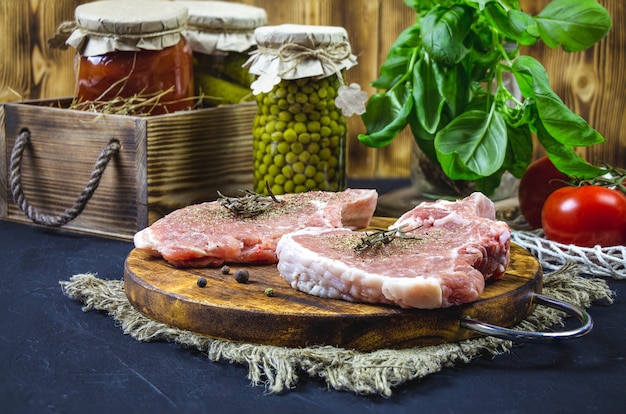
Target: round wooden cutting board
240 312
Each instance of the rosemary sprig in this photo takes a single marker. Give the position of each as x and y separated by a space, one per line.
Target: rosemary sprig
249 205
383 237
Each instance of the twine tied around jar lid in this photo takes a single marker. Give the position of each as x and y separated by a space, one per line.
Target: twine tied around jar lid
329 56
295 51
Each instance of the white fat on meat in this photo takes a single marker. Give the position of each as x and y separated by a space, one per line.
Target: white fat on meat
330 277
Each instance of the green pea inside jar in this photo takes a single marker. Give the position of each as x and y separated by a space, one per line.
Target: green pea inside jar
299 137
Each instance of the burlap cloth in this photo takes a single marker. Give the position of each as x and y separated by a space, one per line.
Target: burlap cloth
377 372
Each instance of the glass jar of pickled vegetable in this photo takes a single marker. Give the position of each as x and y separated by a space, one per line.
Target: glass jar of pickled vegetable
133 55
299 132
221 35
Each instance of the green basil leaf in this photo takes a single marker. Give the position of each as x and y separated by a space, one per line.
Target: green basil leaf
414 4
524 79
489 185
574 24
479 103
531 77
386 114
473 145
511 24
443 32
481 36
519 151
453 84
409 38
391 71
424 140
398 58
480 3
562 124
482 64
524 24
564 157
520 115
428 102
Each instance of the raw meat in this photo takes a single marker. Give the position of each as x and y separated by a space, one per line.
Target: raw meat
448 251
208 234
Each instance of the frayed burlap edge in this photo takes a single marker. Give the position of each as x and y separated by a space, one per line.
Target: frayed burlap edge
367 373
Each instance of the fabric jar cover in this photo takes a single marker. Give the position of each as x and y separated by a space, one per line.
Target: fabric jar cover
291 52
116 25
301 51
218 26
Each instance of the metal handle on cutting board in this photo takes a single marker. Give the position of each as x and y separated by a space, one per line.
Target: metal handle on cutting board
523 336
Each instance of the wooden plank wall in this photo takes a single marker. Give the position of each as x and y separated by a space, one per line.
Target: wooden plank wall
29 69
593 83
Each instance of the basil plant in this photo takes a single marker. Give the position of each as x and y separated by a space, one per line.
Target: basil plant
445 77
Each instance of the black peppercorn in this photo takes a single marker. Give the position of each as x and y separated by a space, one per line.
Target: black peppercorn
201 282
242 276
225 269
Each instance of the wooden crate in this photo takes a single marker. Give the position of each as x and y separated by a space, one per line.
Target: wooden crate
165 162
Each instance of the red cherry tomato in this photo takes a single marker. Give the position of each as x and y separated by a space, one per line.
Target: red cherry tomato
586 216
539 181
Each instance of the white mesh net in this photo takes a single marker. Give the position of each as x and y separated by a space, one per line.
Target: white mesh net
596 261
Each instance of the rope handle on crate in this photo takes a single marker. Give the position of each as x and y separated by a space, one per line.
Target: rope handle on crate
23 139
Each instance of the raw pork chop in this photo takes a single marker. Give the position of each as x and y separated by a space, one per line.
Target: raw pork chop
448 251
209 234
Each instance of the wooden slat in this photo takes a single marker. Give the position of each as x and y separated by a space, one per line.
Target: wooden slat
29 69
52 69
393 160
16 51
192 156
362 27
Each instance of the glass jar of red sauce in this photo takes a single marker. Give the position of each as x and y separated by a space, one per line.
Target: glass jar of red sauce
135 51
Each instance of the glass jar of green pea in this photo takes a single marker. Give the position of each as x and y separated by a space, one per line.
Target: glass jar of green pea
299 133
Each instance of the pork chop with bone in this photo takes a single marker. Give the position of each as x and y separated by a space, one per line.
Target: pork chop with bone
441 256
209 234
